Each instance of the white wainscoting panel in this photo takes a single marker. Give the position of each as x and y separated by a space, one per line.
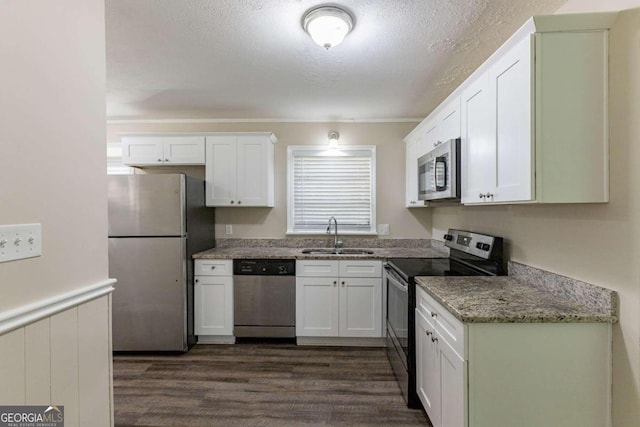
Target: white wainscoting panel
64 364
38 365
94 355
12 372
58 351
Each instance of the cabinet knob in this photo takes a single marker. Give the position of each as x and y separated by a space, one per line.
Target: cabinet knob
482 196
428 333
434 314
489 195
434 339
239 202
335 282
197 280
232 202
213 267
166 160
343 284
159 160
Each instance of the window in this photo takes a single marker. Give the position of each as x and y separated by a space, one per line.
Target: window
327 182
114 160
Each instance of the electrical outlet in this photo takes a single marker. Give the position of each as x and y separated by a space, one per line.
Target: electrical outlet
383 229
20 241
228 229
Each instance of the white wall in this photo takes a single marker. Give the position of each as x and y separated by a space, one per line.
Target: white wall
577 6
597 243
52 171
272 222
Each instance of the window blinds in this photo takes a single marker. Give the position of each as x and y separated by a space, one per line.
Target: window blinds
333 185
114 160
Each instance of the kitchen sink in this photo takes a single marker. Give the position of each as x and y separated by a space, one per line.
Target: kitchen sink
349 251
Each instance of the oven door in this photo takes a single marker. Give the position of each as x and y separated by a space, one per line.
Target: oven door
438 172
397 313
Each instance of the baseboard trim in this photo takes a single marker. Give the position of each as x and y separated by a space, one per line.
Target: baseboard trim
342 341
30 313
216 339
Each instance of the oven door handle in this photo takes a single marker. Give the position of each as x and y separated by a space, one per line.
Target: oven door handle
396 280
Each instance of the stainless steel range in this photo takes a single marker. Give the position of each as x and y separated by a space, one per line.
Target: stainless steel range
471 254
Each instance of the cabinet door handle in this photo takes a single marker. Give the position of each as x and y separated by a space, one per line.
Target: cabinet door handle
428 333
482 196
489 195
434 339
434 314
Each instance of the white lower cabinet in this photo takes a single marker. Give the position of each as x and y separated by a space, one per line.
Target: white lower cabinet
339 298
441 377
213 300
511 374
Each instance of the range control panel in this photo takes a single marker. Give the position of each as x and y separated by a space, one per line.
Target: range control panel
480 245
264 267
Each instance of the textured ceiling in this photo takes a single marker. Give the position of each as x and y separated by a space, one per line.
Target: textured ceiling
251 59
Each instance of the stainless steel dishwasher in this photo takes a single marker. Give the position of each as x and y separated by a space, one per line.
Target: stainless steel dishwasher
264 298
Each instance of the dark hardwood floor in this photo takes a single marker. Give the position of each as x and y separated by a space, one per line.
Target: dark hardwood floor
261 384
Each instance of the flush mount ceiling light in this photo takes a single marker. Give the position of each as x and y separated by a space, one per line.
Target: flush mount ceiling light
333 139
327 25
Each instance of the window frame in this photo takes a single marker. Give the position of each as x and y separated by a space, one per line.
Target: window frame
324 151
115 166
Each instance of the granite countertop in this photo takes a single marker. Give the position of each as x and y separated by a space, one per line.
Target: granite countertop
506 299
296 253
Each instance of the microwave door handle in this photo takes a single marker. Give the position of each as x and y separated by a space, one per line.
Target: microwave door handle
442 161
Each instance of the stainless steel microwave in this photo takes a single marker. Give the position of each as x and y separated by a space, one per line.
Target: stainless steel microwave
439 172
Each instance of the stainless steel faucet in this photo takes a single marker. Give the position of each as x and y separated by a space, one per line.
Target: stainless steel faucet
336 243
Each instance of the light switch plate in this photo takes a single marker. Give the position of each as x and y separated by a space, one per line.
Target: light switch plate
20 241
383 229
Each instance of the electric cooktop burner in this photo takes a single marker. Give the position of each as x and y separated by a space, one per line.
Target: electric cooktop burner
412 267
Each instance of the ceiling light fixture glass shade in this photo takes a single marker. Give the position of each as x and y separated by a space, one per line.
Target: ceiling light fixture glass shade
333 139
327 25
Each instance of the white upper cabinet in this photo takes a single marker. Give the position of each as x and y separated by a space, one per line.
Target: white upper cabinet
478 148
431 137
497 140
449 120
411 171
240 169
440 126
547 136
533 118
162 150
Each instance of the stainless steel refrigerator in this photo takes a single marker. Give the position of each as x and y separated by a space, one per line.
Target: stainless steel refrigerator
156 223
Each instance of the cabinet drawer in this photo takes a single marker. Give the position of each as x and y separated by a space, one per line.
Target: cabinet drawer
213 267
317 268
361 268
450 328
